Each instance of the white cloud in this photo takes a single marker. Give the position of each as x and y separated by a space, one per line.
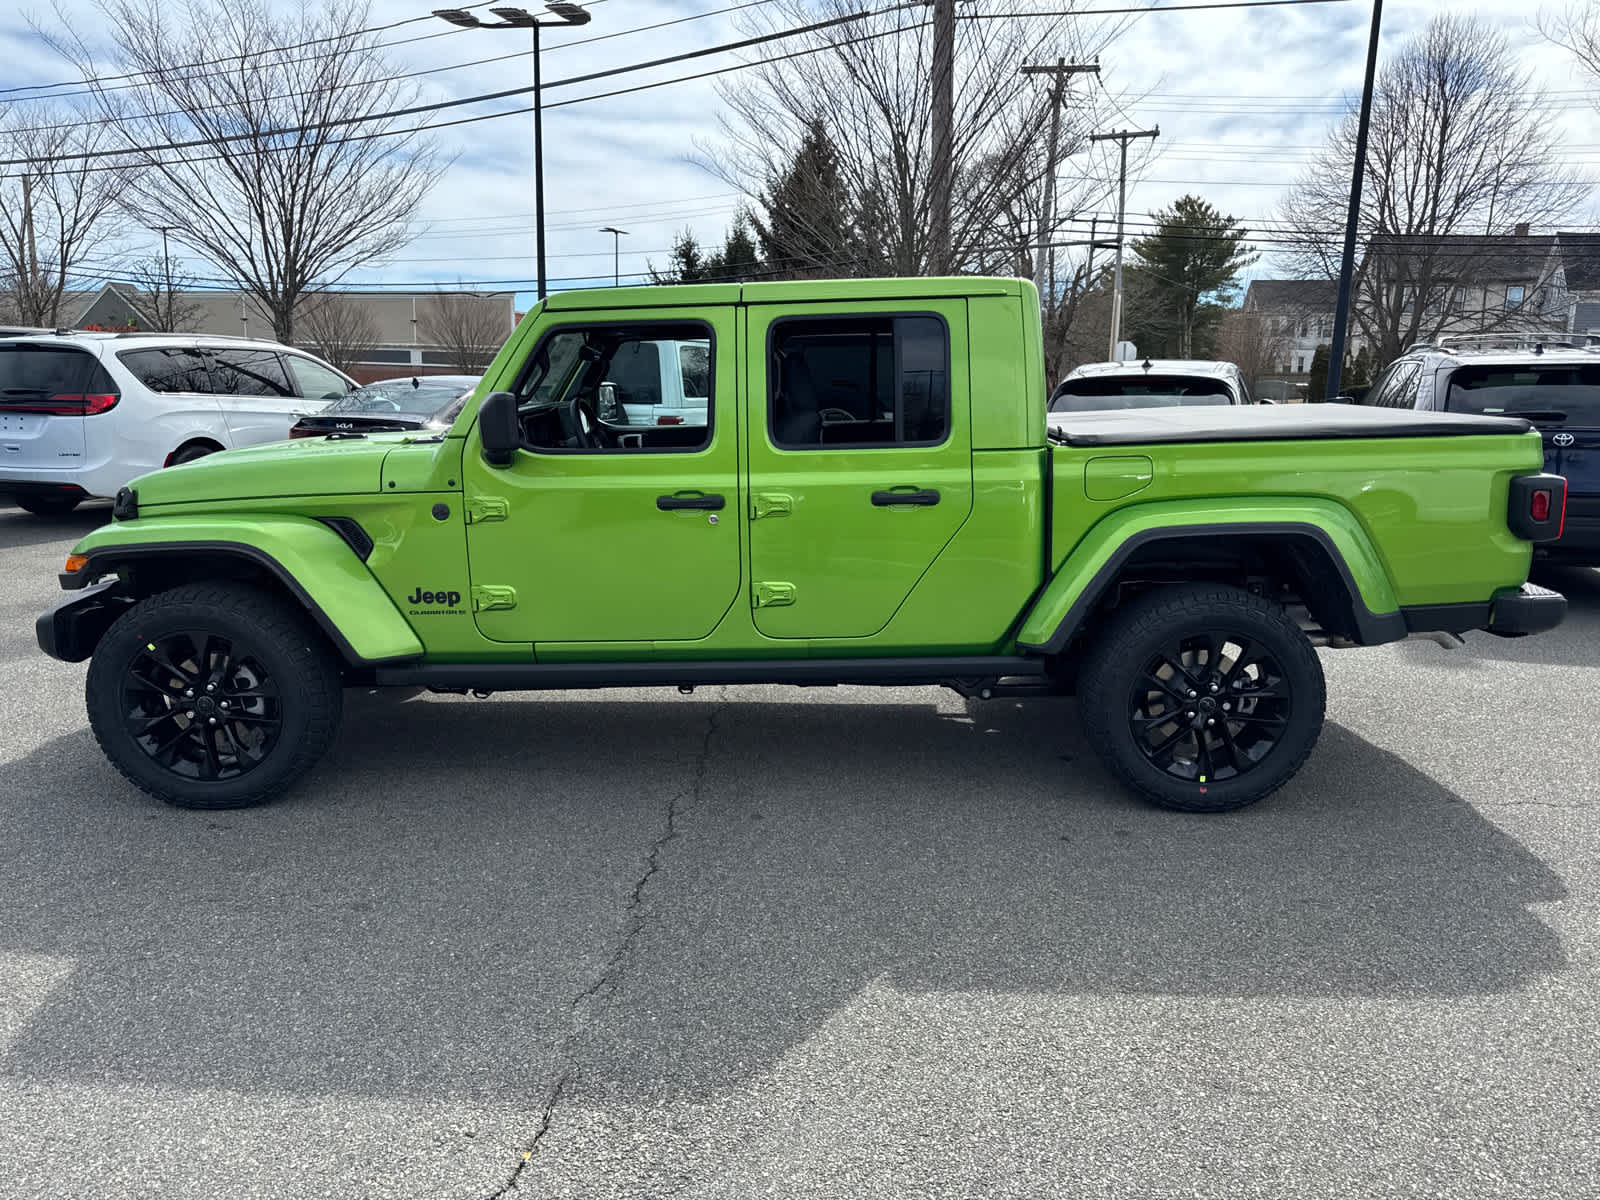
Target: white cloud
1242 98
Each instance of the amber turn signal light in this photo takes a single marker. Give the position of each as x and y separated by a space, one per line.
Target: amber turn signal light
76 563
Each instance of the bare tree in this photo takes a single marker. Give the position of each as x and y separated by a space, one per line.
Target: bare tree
56 215
1577 29
286 188
337 328
1459 155
1253 343
866 84
468 327
165 293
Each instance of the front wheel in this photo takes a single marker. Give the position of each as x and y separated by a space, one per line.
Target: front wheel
1202 698
213 695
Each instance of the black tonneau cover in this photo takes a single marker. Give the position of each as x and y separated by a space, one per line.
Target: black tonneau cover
1266 423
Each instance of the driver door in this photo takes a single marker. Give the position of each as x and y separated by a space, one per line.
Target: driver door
609 530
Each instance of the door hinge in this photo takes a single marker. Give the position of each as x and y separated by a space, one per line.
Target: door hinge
771 595
491 595
487 508
770 504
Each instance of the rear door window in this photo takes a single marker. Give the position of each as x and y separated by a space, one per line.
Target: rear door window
1570 390
250 373
169 370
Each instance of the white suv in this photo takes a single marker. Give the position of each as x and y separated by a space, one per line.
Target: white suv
1151 383
83 413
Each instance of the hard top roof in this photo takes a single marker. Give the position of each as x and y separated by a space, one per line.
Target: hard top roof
692 295
1212 368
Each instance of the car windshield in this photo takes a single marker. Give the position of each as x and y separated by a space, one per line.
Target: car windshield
1571 389
1095 392
419 398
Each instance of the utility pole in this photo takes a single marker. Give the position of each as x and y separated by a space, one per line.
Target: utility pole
1123 137
165 320
1063 72
942 180
1341 308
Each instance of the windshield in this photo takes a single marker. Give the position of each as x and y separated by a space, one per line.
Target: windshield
1572 389
1097 392
419 397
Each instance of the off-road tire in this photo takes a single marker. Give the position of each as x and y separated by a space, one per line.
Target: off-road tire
261 628
1111 688
48 504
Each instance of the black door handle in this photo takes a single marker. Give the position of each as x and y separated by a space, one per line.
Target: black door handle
712 502
887 499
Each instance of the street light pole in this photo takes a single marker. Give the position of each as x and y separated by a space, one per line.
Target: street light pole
616 236
517 18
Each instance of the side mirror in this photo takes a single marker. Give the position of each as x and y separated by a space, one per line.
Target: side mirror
499 429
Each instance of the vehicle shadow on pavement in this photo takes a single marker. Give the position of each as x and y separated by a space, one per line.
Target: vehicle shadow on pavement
464 885
19 529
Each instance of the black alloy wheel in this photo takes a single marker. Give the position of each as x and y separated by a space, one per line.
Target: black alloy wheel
214 695
1202 697
1209 707
201 705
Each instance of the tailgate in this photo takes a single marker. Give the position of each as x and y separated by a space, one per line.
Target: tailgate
43 390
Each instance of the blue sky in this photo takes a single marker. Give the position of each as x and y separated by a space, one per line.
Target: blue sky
1243 98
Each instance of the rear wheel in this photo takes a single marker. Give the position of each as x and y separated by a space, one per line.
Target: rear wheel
213 695
1203 698
48 504
191 452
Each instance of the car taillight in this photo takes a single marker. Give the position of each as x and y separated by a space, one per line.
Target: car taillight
669 420
296 432
1538 507
78 404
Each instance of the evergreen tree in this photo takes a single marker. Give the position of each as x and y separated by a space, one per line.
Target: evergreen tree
684 264
1191 266
739 259
1317 385
806 228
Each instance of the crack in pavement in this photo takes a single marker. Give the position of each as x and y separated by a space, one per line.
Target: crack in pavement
605 985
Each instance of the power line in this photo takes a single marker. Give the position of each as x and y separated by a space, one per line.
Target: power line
505 93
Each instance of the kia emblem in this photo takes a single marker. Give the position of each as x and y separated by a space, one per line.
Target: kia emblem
1562 439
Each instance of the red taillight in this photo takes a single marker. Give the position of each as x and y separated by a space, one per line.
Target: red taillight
1539 506
77 404
296 432
669 420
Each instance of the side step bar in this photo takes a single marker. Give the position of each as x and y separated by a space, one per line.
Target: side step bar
888 672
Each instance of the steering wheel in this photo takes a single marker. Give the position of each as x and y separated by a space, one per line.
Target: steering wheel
836 414
585 425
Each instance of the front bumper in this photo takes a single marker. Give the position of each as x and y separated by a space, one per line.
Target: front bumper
1525 610
71 630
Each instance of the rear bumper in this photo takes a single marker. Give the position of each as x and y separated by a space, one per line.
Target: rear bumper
1528 609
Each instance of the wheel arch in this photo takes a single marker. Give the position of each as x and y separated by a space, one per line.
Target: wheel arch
298 558
1330 565
213 447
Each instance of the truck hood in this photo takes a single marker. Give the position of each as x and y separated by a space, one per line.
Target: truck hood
305 467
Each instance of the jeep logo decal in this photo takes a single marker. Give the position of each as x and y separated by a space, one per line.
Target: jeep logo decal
442 599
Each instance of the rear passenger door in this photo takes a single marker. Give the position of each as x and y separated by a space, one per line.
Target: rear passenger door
859 457
257 398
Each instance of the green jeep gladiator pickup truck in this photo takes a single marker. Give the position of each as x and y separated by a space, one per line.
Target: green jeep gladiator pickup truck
875 494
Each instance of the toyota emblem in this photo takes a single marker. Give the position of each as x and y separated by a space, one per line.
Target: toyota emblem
1562 439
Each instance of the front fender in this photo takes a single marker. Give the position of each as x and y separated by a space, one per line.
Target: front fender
1093 564
312 562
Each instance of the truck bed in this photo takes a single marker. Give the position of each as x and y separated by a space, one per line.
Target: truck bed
1265 423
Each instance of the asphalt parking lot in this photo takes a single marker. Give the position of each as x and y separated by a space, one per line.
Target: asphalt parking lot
838 942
